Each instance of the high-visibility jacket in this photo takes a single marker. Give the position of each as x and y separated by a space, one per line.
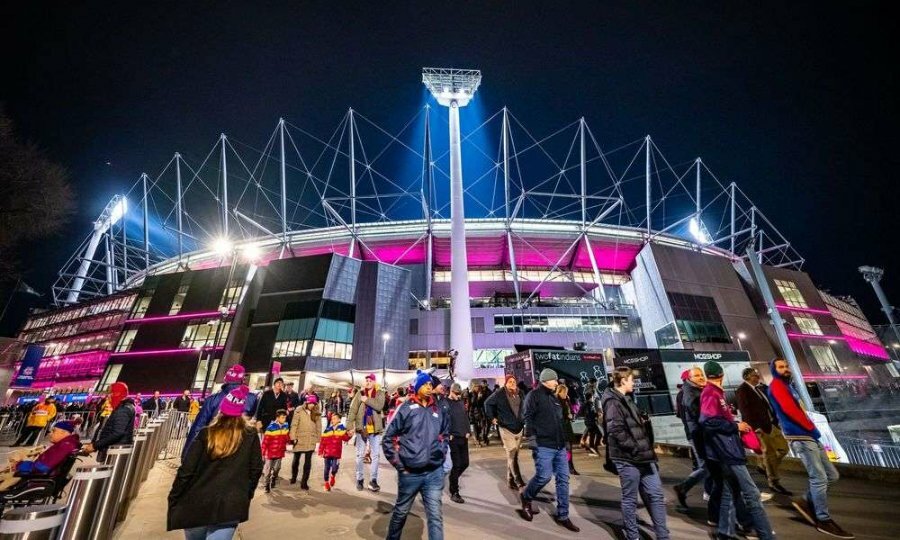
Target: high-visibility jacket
41 415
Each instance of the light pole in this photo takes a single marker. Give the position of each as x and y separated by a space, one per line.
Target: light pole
454 88
740 337
385 337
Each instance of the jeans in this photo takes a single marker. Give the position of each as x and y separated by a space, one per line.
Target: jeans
223 531
821 473
700 473
307 465
643 479
331 467
430 484
511 443
271 469
374 441
550 462
459 449
741 497
775 448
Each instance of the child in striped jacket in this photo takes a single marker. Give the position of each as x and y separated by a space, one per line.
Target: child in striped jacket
331 446
274 444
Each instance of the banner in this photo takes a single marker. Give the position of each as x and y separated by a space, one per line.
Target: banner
30 364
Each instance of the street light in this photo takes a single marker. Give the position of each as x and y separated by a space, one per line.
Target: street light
385 337
740 337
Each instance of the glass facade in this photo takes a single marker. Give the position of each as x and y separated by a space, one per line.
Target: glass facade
825 358
808 325
698 319
491 358
203 334
142 304
333 331
178 301
560 323
790 293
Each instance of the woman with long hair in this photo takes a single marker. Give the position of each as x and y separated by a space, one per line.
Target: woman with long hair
218 476
562 394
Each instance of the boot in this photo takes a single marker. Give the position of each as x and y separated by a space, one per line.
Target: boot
572 470
268 486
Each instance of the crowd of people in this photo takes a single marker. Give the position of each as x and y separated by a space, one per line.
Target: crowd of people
236 438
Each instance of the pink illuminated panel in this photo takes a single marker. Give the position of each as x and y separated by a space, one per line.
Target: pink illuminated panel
158 352
783 307
865 348
84 365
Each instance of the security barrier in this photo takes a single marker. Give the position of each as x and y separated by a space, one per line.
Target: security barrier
89 483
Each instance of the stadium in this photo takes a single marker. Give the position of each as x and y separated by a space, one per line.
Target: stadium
371 248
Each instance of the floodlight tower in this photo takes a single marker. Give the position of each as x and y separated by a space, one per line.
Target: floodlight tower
113 212
873 275
454 88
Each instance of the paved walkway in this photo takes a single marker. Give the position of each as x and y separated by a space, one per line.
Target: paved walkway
489 512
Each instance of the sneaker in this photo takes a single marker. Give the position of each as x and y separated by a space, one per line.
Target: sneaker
746 532
831 528
374 487
457 499
765 496
705 497
520 482
268 487
274 481
293 480
304 487
360 486
513 485
327 486
567 523
804 509
332 480
681 494
778 488
711 523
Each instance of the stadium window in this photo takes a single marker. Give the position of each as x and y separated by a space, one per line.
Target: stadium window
143 302
414 327
790 293
178 301
825 358
808 325
126 340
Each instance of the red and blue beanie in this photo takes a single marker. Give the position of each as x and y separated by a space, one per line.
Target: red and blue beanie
422 378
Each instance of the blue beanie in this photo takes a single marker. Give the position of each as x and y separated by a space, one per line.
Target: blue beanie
421 379
65 426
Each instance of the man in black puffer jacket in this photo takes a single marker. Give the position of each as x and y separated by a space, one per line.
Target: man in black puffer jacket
119 429
415 443
630 439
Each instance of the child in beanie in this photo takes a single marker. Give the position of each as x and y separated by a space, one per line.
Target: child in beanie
331 446
274 443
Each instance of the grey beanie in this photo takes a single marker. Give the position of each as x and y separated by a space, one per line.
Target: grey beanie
547 375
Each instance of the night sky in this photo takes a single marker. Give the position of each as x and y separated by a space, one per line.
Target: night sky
797 104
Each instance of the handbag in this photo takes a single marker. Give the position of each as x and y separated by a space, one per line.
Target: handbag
751 442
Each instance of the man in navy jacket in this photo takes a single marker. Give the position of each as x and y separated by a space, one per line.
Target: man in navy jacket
415 443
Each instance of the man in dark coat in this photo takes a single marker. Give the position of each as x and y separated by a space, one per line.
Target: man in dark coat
690 417
543 419
269 403
183 402
154 405
119 428
753 402
459 439
630 439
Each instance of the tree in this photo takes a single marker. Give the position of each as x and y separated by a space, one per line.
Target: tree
36 198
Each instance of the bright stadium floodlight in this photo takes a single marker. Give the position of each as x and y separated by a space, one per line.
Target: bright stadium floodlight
112 213
451 85
251 252
221 246
454 88
698 231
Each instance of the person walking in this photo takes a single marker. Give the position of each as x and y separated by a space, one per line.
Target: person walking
154 405
40 416
562 394
271 401
183 402
629 437
305 431
504 409
415 444
543 419
213 487
459 440
592 435
234 377
273 446
366 420
193 410
803 437
694 381
753 403
119 428
727 461
331 447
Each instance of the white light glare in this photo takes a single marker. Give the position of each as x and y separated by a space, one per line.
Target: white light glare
698 231
251 252
118 211
385 336
222 246
742 335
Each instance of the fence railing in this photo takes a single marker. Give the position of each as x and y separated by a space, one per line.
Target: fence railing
862 452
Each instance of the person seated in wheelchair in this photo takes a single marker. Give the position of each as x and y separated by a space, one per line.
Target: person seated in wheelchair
64 443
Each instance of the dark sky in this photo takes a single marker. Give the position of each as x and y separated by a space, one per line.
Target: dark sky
796 103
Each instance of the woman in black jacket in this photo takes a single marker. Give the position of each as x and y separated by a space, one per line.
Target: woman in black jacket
629 437
562 394
215 482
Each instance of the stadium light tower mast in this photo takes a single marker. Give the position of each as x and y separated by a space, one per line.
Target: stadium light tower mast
454 88
113 212
873 275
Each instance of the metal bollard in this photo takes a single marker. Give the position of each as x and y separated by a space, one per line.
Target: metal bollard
150 454
40 522
131 481
117 457
88 485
